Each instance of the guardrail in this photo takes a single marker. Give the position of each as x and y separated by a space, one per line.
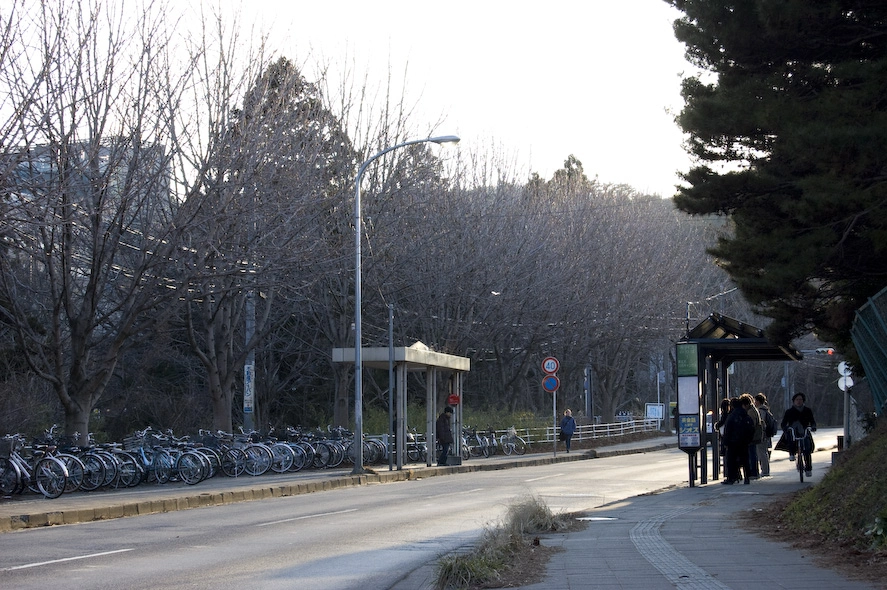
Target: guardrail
585 432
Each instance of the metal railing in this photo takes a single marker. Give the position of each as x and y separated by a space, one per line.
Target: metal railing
585 432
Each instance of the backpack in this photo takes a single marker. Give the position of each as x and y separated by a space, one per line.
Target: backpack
770 425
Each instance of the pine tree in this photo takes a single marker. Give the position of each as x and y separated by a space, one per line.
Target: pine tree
789 137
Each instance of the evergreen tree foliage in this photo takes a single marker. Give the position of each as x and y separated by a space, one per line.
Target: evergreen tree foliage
788 136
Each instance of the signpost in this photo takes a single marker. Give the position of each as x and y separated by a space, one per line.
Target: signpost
845 382
550 383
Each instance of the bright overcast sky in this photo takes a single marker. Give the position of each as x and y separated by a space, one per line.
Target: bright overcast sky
599 79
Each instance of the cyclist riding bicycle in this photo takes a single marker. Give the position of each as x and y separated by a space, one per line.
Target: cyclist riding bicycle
799 417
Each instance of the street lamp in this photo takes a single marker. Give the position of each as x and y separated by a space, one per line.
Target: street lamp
358 369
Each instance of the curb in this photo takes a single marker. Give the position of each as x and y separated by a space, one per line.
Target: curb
258 492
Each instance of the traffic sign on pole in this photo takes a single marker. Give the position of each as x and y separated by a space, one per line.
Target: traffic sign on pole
550 365
550 383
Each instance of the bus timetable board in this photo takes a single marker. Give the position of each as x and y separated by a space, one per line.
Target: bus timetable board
689 397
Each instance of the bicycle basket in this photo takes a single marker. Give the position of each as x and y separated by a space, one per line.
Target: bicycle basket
132 443
5 448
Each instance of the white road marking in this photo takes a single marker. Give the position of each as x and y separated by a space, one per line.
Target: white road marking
308 516
454 493
545 477
39 563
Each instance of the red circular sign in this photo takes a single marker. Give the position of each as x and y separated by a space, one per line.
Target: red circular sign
550 383
453 400
550 365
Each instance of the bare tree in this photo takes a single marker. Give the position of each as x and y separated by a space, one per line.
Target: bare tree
90 225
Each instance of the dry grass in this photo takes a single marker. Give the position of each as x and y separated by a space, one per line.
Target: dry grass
509 554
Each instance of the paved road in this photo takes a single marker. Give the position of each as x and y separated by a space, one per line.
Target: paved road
356 535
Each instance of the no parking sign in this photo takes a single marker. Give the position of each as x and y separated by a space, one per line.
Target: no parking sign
550 383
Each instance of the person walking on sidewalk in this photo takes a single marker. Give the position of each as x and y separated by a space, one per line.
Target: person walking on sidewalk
770 427
568 427
444 431
799 417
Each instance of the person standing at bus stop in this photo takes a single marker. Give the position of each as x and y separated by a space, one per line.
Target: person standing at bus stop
568 427
444 430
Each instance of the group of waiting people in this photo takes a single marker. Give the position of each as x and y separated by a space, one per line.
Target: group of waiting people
747 429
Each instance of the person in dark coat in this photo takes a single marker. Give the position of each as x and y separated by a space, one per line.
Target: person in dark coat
799 417
444 430
568 427
738 432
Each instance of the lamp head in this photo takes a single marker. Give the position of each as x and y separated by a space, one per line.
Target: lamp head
445 139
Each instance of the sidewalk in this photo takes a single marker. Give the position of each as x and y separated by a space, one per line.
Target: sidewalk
32 510
691 538
687 538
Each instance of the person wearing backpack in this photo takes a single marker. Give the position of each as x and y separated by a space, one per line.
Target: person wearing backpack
771 428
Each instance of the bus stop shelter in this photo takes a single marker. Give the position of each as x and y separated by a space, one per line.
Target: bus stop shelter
704 356
402 361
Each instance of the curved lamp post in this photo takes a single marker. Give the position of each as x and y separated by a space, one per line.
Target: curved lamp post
358 369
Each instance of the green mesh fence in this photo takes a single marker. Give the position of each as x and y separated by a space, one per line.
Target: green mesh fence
869 333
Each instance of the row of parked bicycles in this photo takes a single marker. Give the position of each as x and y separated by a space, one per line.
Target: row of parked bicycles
474 443
51 467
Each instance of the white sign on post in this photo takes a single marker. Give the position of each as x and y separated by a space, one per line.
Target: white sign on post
655 411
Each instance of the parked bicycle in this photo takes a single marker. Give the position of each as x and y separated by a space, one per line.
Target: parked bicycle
40 472
512 443
417 448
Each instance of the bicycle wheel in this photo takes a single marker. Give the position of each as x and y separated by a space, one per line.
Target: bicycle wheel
10 477
520 447
799 461
191 467
93 472
233 462
322 455
111 466
258 459
300 459
129 472
507 445
309 452
213 460
76 471
162 466
337 453
50 477
466 452
282 458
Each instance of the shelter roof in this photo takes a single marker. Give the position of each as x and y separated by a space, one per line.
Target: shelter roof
728 339
416 357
